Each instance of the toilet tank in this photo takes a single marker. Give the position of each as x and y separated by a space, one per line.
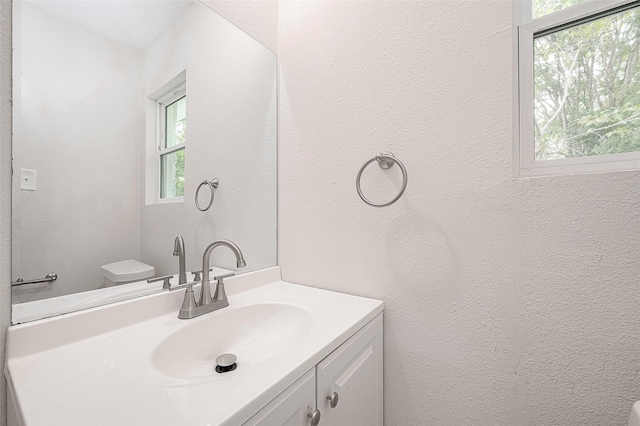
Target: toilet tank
126 271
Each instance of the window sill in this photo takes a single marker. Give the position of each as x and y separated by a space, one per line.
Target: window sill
174 200
577 166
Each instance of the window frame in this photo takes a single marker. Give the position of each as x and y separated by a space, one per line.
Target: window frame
525 164
162 103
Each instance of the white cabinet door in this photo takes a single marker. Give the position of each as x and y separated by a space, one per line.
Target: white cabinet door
291 407
354 372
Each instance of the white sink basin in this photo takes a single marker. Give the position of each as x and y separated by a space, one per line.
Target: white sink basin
254 334
135 362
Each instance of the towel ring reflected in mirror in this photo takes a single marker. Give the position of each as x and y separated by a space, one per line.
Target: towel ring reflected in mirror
213 184
385 160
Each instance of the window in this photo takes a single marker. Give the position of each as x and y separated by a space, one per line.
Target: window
579 86
172 113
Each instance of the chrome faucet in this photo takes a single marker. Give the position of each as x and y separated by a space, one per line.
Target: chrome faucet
178 250
206 304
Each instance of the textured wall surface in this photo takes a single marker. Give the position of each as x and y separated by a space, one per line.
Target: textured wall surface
231 109
508 302
5 189
84 213
258 18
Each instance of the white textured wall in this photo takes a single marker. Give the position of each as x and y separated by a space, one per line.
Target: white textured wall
5 189
231 122
258 18
77 92
508 302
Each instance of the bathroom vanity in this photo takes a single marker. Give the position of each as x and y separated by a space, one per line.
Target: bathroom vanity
305 356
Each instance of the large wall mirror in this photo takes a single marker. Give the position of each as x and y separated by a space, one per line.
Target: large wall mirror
121 110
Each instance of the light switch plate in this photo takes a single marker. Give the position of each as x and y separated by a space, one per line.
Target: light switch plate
27 180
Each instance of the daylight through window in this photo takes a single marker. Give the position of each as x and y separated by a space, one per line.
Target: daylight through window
172 143
579 81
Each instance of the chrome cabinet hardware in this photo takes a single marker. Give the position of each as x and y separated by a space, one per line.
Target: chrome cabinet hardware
333 399
385 160
49 278
315 418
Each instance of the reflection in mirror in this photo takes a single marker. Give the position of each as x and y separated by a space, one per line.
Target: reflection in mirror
121 109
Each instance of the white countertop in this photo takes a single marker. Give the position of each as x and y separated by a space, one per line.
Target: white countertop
93 367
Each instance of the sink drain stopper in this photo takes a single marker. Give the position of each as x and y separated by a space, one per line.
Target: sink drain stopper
226 362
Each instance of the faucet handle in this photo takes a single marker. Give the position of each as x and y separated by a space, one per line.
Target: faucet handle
220 294
219 278
198 274
181 286
188 304
166 283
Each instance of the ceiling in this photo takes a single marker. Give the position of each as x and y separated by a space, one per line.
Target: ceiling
134 22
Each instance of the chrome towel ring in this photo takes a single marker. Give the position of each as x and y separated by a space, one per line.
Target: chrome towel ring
385 160
213 184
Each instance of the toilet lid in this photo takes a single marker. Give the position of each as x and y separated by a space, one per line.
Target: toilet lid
127 270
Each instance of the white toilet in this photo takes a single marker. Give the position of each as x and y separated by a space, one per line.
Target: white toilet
126 271
634 417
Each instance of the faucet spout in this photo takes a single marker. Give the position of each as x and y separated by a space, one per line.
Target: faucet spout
205 294
191 308
178 251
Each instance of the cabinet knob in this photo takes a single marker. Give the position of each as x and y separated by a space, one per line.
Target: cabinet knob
315 417
333 399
